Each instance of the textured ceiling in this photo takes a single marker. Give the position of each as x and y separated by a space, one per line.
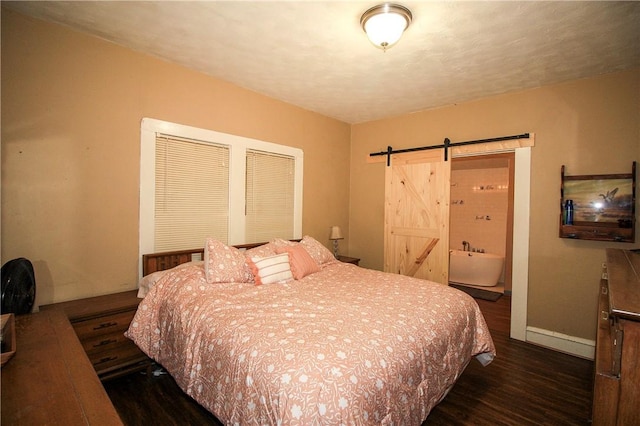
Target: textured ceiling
316 56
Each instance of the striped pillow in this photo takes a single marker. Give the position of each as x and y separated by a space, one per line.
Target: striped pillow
272 269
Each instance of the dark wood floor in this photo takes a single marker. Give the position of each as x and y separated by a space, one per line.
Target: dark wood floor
524 385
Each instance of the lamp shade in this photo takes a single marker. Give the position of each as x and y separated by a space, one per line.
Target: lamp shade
385 23
336 233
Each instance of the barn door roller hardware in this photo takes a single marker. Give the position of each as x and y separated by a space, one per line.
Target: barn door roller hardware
446 145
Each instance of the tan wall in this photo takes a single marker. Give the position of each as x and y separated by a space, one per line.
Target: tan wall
592 126
71 112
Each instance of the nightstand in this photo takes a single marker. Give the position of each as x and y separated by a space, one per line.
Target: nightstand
347 259
100 323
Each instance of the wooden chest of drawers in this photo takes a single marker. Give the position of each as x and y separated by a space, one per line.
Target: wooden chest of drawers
100 323
616 391
50 381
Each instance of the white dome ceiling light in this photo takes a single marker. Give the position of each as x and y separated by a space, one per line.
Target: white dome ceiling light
385 23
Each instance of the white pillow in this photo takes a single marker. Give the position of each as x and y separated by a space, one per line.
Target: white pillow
148 281
272 269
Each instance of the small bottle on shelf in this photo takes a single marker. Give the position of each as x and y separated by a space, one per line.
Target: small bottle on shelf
568 212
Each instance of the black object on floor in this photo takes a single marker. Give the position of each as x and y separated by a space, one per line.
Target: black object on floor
18 286
478 293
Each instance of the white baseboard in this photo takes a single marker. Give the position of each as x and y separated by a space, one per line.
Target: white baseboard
577 346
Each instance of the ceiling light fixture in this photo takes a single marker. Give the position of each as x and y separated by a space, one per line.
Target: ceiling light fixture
385 23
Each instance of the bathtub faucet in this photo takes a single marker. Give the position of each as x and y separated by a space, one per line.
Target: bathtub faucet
466 246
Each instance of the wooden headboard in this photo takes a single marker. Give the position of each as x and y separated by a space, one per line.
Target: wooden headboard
154 262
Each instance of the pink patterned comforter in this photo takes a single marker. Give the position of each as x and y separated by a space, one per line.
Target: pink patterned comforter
345 345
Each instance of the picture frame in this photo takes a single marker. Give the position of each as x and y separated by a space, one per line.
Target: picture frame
602 199
603 206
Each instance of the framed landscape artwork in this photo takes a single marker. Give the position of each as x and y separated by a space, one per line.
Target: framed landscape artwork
603 206
601 200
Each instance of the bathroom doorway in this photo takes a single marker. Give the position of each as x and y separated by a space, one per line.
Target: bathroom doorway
481 214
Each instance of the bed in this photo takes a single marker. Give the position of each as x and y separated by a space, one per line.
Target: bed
330 343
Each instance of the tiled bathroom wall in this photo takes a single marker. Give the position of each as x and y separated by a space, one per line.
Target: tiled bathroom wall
479 205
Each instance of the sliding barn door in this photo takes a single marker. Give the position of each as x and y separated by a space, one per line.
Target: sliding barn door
416 239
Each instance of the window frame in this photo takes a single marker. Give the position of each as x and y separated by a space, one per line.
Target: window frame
238 145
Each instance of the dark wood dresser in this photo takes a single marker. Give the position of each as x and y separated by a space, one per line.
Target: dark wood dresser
616 392
50 380
100 323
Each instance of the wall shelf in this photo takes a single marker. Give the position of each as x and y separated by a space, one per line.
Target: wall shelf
604 206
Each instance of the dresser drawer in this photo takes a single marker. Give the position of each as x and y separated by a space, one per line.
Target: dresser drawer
122 354
606 384
103 325
103 342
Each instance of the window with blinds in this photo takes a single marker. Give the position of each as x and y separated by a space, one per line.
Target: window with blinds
269 196
191 192
197 183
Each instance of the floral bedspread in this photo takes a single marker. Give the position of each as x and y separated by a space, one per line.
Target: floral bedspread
345 345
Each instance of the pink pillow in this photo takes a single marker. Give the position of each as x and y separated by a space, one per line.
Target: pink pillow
318 252
279 242
302 264
224 264
264 250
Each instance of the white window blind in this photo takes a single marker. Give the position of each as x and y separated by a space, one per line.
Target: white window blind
194 184
191 192
270 194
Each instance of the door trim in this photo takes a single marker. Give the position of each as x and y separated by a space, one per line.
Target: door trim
520 249
520 273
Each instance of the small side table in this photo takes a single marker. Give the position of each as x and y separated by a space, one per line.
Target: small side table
347 259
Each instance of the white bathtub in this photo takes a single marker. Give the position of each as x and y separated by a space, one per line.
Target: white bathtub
483 269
